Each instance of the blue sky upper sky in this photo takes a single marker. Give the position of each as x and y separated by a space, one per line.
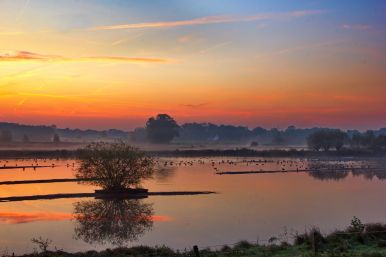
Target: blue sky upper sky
270 63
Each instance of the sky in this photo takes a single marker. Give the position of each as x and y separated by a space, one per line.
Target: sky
114 63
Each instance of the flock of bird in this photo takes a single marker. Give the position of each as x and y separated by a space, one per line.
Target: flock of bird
32 163
266 164
219 163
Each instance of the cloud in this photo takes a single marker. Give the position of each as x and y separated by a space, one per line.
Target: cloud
10 32
356 26
22 9
29 56
203 51
210 20
298 48
185 39
194 105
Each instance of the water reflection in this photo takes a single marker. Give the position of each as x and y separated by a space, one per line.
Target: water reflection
340 175
329 175
381 175
114 221
165 173
339 169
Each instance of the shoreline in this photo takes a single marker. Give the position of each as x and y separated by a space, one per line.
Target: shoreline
358 239
237 152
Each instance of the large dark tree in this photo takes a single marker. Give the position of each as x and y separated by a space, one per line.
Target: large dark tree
114 166
161 129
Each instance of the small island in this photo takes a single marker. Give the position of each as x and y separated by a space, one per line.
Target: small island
117 168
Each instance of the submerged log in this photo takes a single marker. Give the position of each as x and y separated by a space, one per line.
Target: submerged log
122 193
23 167
98 196
44 181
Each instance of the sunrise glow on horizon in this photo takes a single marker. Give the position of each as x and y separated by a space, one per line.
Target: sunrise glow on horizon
113 64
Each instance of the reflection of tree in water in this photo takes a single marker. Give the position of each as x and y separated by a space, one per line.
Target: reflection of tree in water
337 170
369 174
163 174
329 175
112 221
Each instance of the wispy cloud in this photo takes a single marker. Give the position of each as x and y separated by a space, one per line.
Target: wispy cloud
7 32
23 8
127 39
195 105
203 51
29 56
210 20
356 26
298 48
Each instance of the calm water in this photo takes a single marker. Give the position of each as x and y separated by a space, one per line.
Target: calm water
251 207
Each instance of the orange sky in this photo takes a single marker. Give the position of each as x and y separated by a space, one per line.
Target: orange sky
100 65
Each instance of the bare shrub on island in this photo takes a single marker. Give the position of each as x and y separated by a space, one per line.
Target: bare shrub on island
114 166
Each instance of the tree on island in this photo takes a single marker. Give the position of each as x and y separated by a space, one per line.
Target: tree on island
161 129
114 166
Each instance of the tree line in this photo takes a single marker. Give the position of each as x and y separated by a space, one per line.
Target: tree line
163 129
327 139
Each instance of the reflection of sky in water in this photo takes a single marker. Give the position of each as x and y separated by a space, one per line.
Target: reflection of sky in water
248 206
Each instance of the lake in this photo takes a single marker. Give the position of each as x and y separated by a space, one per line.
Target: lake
251 207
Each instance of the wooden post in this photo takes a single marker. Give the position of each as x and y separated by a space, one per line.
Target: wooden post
314 243
196 251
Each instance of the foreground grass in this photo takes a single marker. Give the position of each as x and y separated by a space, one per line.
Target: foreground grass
241 250
357 240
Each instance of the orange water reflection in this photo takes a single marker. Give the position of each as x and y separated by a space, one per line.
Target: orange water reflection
247 206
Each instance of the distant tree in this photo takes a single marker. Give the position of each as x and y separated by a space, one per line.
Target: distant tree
380 142
357 140
195 132
114 166
338 139
290 129
277 137
161 129
326 138
56 139
259 131
6 136
314 141
377 142
369 139
25 139
138 135
254 144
